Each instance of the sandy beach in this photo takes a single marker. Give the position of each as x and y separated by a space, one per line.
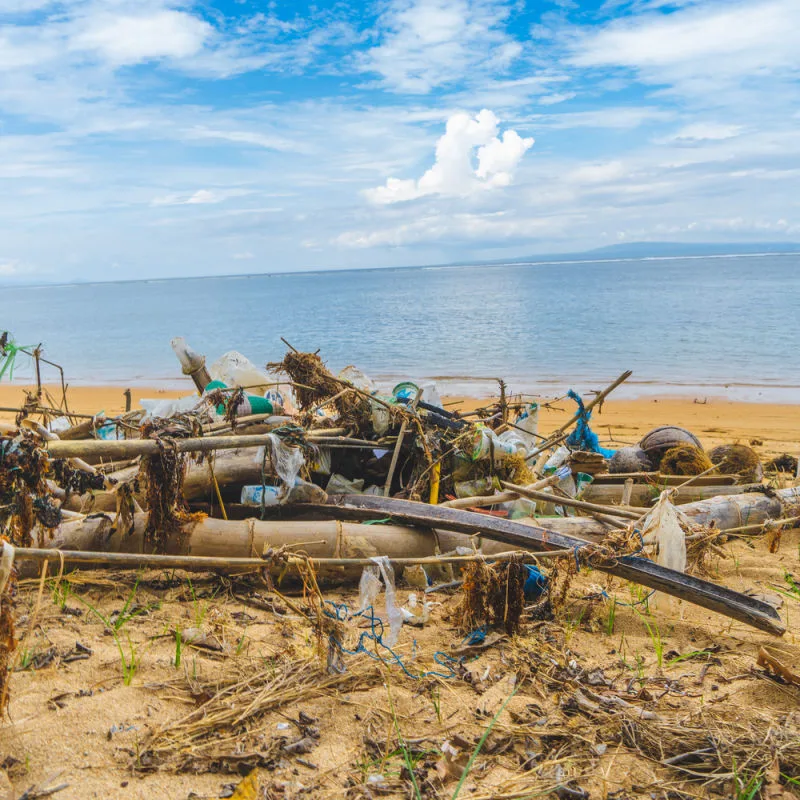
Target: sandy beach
621 421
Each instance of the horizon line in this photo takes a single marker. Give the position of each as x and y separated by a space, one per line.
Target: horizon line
546 260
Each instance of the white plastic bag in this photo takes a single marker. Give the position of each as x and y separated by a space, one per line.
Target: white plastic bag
393 613
665 527
168 407
369 588
234 369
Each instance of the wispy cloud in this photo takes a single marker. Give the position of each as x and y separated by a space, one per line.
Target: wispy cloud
425 44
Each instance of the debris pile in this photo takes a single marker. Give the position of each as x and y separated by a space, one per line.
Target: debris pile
306 480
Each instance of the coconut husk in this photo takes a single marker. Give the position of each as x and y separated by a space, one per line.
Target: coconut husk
783 463
738 459
685 459
630 459
659 440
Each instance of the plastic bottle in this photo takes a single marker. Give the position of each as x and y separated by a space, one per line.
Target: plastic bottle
251 495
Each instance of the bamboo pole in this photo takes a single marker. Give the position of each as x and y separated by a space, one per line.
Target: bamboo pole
130 448
202 563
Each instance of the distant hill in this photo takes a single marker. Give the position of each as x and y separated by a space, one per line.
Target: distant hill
666 250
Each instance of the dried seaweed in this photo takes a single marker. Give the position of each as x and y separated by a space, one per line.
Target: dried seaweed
24 495
314 383
162 476
493 596
8 642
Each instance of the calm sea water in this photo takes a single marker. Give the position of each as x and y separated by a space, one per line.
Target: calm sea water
696 325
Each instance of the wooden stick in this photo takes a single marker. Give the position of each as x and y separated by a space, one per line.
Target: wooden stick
479 501
532 494
627 490
135 560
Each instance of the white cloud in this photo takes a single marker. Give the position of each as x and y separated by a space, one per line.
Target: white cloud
699 47
702 132
8 267
555 97
431 43
132 39
200 197
444 229
609 117
454 172
597 173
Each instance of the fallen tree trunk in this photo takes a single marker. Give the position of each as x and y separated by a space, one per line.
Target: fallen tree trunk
639 570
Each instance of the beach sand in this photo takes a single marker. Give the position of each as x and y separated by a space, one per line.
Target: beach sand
708 672
620 422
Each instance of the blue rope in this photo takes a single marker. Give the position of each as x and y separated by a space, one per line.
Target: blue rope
342 613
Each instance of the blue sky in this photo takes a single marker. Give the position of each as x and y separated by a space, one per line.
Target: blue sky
171 137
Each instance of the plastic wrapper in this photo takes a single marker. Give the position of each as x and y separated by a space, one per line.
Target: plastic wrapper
369 587
338 484
169 407
394 614
234 369
665 527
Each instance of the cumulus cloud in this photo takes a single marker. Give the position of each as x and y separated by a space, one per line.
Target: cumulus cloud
455 172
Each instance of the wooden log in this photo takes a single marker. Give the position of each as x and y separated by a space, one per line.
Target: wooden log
643 494
639 570
734 511
84 430
665 480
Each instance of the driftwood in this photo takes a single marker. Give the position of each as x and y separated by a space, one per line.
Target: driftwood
83 430
642 494
639 570
659 479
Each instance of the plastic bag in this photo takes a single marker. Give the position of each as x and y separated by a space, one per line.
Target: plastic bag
527 425
355 376
338 484
369 588
286 460
393 614
665 527
234 369
169 407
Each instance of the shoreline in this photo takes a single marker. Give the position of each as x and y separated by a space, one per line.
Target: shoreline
621 421
485 387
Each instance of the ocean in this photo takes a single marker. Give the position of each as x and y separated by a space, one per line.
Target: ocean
705 326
